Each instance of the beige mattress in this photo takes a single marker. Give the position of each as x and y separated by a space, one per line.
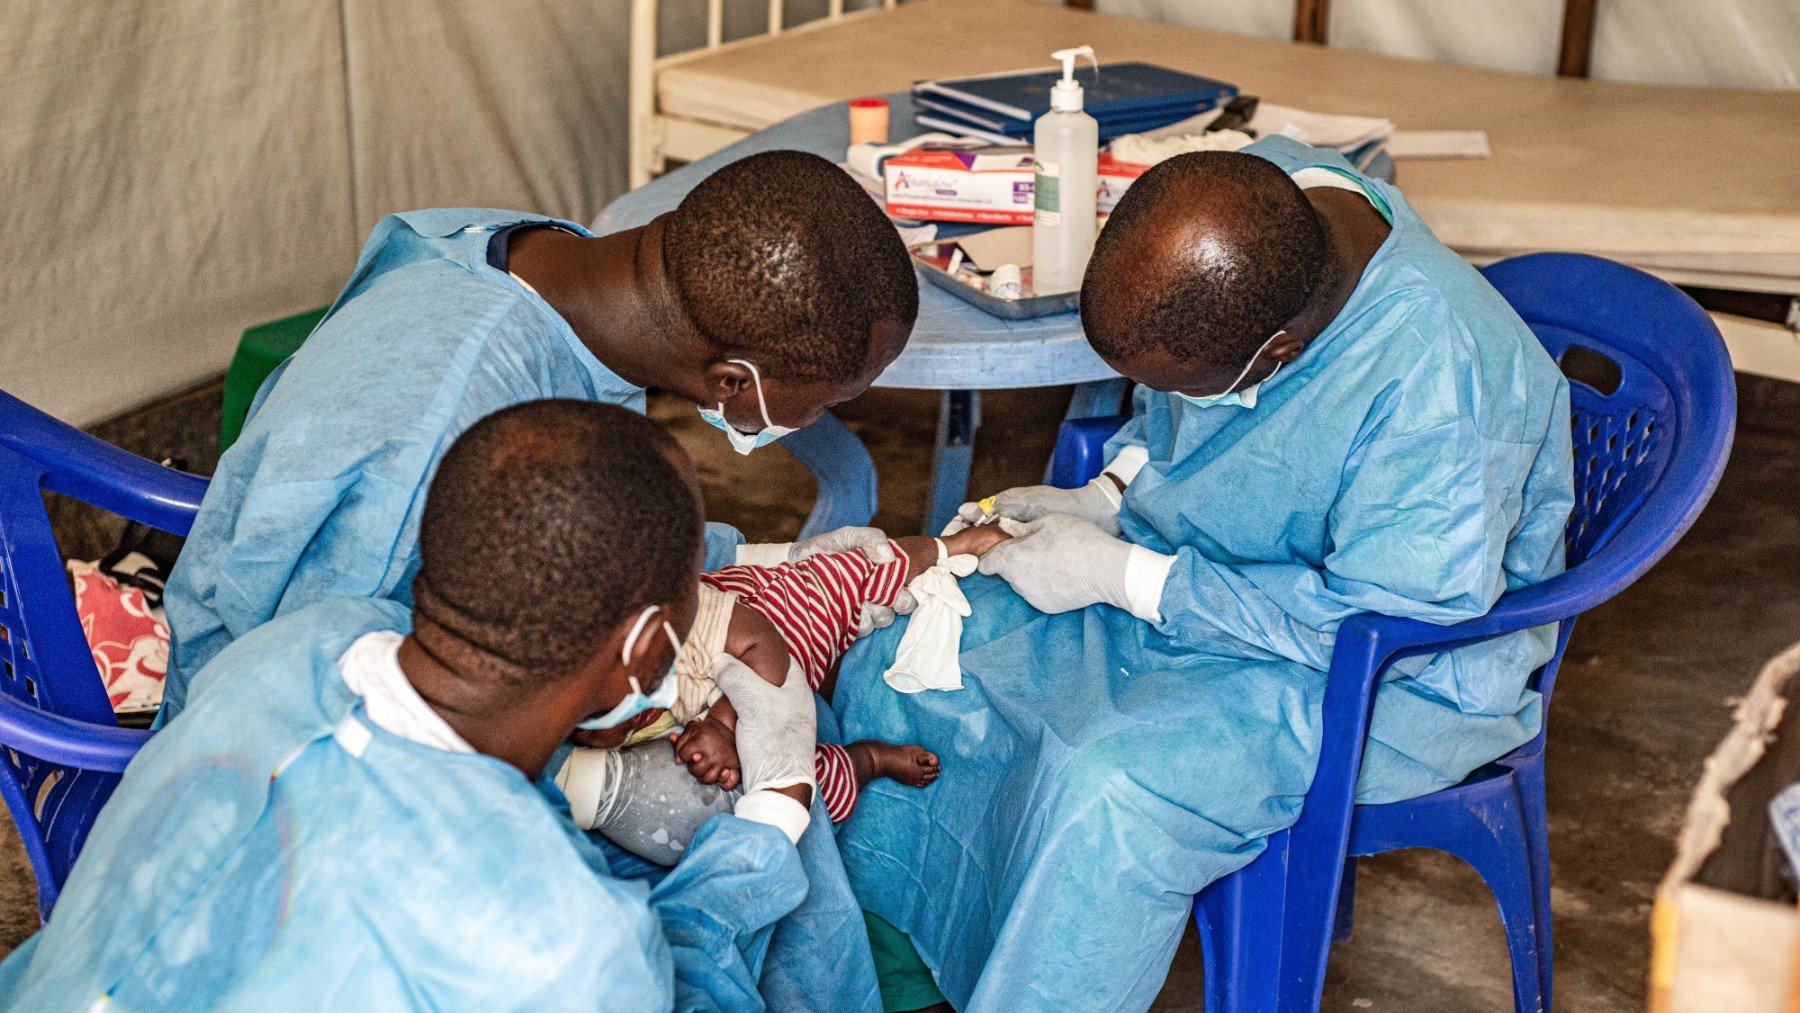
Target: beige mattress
1699 184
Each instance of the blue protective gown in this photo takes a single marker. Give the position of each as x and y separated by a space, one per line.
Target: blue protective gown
275 850
321 495
1099 771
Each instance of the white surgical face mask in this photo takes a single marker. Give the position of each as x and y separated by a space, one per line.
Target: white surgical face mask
1245 398
637 701
743 442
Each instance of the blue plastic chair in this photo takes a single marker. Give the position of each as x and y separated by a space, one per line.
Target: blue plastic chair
64 749
1654 405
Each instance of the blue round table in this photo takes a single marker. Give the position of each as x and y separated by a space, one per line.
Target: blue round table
955 348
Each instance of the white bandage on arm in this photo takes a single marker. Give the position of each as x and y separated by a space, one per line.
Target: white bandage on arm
1146 571
589 779
764 554
1126 464
776 810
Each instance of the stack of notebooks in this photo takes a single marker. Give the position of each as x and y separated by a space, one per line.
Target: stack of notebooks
1126 98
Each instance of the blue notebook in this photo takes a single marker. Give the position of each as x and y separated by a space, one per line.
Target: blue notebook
944 115
1117 90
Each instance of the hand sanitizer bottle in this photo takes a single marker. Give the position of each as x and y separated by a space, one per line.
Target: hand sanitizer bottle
1067 151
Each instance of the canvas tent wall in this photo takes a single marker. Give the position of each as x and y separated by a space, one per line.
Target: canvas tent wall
172 171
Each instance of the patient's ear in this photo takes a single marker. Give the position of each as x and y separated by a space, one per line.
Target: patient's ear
1284 347
725 380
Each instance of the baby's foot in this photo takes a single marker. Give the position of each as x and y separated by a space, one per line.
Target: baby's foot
913 766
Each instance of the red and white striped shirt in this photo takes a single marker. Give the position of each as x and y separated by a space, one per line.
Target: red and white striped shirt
815 603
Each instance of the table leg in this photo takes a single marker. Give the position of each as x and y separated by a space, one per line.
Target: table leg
959 415
843 471
1093 400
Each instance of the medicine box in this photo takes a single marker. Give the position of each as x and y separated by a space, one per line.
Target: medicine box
1725 931
1115 177
990 185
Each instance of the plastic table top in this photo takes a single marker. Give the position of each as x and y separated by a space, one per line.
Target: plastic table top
954 346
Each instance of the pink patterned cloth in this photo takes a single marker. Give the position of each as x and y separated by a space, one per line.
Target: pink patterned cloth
129 639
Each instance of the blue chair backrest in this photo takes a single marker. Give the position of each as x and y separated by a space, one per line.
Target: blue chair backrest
45 662
1630 343
1653 404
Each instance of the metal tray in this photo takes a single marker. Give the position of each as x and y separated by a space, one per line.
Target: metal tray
934 261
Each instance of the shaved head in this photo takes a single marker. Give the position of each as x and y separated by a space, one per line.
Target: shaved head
547 525
782 258
1206 256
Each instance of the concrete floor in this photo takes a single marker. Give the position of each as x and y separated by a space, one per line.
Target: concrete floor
1644 697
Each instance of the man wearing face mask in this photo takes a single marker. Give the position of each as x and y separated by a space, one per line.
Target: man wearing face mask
1335 414
776 289
358 814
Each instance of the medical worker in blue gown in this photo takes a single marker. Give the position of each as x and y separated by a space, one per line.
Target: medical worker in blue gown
1335 415
775 289
355 814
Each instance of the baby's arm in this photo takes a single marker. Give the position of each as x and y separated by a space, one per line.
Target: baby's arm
752 639
922 554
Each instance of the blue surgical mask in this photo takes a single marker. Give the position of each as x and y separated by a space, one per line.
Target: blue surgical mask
743 442
1245 398
637 701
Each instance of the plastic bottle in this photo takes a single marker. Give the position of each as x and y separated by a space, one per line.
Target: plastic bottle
1067 152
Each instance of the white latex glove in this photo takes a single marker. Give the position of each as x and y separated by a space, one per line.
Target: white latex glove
872 541
929 651
879 617
1060 563
776 731
1098 501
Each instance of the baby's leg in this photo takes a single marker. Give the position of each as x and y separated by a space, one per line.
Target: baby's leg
913 766
641 799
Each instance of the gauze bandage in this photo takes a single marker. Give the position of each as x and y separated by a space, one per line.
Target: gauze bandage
929 649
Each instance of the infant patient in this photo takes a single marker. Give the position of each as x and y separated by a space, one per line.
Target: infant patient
652 796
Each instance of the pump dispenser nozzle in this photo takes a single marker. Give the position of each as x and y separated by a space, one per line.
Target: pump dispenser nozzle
1065 96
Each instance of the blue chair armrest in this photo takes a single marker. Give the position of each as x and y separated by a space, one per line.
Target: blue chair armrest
66 741
1081 449
94 471
1393 638
1366 645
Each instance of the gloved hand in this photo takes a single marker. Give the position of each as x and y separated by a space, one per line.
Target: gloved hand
879 617
1097 501
777 728
872 541
1060 563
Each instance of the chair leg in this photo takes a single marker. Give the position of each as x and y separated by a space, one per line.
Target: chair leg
1346 905
959 416
1491 836
1264 949
1529 779
1240 944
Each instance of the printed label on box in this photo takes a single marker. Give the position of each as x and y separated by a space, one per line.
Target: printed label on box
994 186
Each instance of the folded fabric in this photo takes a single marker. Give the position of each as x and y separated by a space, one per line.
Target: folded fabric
928 651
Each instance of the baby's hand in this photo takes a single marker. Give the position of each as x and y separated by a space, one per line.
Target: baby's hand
710 753
975 541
